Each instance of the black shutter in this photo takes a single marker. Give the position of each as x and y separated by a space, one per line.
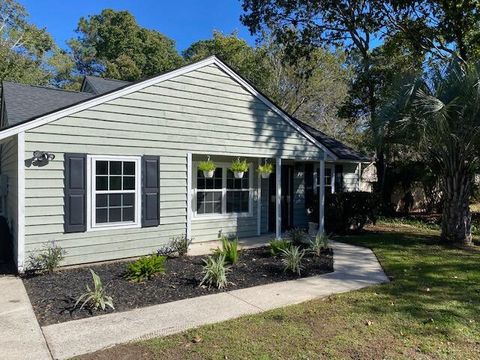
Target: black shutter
150 191
75 201
338 178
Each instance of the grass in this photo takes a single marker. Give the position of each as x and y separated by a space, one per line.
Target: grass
430 310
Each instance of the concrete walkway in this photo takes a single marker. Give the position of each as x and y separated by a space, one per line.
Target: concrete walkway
355 268
20 334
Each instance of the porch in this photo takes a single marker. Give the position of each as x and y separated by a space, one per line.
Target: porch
255 209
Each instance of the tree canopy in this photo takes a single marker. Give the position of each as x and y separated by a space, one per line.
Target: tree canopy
28 54
112 44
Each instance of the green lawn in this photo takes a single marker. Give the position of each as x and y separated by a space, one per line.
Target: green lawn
431 309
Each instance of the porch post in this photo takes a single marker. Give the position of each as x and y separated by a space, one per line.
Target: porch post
278 199
321 194
189 196
359 176
259 201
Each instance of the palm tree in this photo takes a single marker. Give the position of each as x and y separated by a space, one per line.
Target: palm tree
445 115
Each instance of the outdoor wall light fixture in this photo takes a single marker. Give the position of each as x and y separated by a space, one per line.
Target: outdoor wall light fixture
41 156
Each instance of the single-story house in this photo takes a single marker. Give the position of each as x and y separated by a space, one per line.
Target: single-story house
110 172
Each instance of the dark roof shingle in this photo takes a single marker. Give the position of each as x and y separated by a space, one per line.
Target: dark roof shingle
342 151
102 86
24 102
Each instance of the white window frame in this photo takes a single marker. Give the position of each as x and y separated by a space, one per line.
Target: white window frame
91 192
332 180
224 214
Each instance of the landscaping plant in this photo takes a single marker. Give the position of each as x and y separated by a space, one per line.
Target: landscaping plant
215 272
277 245
95 298
207 167
292 259
265 169
239 166
177 245
229 250
320 242
146 267
297 236
47 259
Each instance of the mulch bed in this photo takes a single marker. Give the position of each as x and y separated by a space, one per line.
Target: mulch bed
53 295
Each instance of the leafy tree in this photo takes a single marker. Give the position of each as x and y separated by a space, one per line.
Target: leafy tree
443 28
113 45
312 89
303 25
445 115
27 54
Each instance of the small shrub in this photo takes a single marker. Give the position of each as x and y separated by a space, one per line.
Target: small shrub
146 267
177 245
292 259
47 259
229 250
320 242
215 273
297 236
239 166
350 211
95 298
277 245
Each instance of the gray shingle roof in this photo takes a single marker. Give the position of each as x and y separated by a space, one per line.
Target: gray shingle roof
23 102
101 86
343 151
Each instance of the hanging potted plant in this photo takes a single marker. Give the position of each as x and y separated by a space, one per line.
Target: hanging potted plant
265 170
239 168
207 167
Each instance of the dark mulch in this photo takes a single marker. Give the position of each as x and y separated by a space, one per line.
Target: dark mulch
53 295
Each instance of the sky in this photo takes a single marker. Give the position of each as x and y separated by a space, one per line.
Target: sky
184 21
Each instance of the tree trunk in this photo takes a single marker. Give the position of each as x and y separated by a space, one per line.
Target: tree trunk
456 216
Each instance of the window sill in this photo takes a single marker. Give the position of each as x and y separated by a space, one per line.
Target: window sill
220 217
114 227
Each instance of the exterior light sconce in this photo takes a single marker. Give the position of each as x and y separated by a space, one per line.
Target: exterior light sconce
42 156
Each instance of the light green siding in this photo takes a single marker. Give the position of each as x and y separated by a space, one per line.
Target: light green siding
204 111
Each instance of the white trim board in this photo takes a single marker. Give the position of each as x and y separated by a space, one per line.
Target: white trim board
42 120
21 202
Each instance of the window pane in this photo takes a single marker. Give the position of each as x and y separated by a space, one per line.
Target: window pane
237 184
128 199
201 183
129 183
114 200
129 168
101 216
237 201
101 183
128 214
115 215
102 167
201 202
101 200
115 168
115 183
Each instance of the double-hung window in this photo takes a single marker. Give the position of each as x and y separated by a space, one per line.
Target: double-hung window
115 192
223 195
